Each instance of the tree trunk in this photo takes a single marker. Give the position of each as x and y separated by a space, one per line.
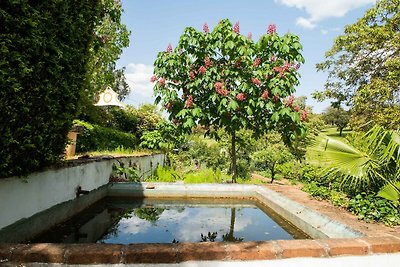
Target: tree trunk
341 130
233 158
272 173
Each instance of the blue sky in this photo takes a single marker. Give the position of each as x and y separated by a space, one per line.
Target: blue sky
155 23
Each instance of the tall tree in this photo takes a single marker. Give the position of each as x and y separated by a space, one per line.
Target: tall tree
222 79
110 37
336 116
364 66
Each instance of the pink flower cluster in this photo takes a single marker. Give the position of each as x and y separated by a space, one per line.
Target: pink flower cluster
276 98
273 58
241 96
205 28
153 78
297 66
296 108
236 27
202 70
303 115
249 36
271 29
265 95
256 81
257 62
169 105
282 69
220 90
189 102
162 81
207 62
169 48
192 76
289 101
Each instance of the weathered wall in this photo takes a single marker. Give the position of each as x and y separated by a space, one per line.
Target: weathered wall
22 198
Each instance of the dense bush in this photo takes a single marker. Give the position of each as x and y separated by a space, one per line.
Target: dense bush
97 138
372 208
44 49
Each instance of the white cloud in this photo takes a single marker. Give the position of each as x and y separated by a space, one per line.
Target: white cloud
324 32
305 23
319 10
138 78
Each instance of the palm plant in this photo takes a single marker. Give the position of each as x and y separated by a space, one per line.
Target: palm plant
370 161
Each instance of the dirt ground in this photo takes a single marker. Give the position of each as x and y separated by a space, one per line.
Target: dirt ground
295 193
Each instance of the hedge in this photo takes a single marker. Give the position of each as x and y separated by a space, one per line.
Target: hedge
44 50
98 138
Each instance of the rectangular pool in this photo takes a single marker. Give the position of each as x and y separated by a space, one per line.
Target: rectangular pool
155 220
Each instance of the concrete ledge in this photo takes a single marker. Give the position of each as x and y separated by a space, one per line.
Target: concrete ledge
182 252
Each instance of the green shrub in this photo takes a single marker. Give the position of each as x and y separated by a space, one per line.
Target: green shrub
44 50
165 174
97 138
203 176
372 208
317 191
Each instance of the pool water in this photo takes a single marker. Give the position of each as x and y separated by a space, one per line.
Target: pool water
125 221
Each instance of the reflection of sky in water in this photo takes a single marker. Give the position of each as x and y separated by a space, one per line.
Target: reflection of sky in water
187 225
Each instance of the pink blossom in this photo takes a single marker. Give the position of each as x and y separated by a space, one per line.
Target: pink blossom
296 108
168 106
271 29
241 96
257 62
289 101
273 58
297 66
162 81
153 78
286 66
236 28
207 62
218 85
169 48
205 28
202 70
189 102
303 115
250 36
265 95
218 88
192 75
256 81
276 98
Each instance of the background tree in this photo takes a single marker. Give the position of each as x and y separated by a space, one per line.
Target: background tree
364 66
221 79
336 116
110 37
272 154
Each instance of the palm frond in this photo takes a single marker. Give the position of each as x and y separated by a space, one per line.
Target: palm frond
390 191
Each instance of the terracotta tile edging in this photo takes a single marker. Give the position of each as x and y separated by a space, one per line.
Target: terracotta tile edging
175 253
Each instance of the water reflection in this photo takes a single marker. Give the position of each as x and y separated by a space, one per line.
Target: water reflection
155 221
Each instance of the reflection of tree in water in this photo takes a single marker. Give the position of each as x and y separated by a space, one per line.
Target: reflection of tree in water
149 214
229 237
210 237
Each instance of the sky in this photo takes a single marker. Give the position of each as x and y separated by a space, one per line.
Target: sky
156 23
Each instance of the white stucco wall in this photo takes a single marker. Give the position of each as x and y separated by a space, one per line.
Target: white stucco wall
22 198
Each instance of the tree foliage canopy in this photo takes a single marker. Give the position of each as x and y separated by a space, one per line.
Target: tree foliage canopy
222 79
364 66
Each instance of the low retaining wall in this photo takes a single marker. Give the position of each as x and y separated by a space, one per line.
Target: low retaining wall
40 194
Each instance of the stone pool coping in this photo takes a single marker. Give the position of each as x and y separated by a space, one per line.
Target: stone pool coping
321 247
207 251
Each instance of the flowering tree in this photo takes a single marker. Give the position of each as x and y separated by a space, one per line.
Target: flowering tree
222 79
